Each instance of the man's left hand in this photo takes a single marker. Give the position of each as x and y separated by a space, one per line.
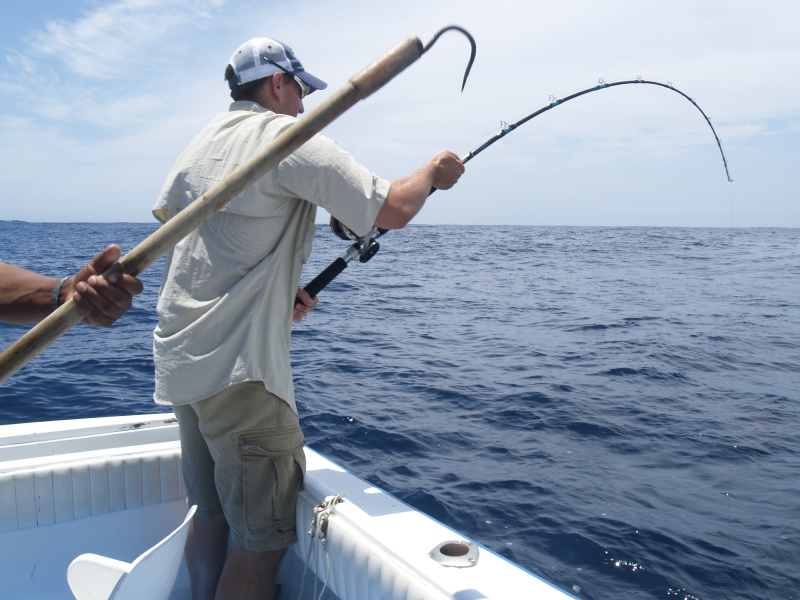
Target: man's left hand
307 304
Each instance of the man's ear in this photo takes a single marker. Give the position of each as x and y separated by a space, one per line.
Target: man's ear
268 93
278 81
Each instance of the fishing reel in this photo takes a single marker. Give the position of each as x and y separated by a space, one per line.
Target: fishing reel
365 247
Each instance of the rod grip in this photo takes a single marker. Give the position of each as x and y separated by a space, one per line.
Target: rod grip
316 285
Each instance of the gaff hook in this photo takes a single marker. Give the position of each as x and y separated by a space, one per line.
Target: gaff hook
472 44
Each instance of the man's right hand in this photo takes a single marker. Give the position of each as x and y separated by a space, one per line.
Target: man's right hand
447 169
102 301
407 195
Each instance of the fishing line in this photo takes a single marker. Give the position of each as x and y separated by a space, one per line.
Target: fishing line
367 246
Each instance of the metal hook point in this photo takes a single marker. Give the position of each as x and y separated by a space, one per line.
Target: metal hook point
474 48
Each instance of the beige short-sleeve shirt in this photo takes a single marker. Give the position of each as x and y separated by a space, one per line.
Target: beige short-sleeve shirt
228 290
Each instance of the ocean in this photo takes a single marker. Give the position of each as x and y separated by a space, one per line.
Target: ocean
614 409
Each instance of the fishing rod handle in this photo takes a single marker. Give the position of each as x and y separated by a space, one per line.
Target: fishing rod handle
316 285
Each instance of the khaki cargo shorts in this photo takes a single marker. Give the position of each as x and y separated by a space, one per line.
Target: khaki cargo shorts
242 456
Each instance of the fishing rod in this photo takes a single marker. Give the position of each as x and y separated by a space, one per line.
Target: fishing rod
601 85
365 247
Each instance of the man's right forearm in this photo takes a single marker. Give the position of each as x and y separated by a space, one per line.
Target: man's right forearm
407 195
405 199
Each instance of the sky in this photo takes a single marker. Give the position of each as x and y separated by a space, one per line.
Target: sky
99 97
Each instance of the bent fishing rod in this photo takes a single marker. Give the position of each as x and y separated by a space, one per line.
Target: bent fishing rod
365 247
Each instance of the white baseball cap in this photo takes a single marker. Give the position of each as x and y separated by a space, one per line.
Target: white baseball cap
263 57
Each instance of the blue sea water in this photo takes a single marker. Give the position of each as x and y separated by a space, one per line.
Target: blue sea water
614 409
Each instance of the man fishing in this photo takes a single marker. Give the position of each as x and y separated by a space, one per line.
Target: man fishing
226 305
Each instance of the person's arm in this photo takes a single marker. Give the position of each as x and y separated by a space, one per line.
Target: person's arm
27 297
405 199
407 195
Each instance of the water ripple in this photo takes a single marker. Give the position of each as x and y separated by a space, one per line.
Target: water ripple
615 409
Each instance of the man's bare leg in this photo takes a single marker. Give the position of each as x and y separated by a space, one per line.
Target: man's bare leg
206 547
250 575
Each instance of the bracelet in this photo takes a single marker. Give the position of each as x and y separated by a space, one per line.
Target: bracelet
57 293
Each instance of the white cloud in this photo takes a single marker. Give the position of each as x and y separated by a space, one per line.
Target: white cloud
129 82
112 68
115 38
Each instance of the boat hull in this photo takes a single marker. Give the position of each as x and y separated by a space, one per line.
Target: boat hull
113 486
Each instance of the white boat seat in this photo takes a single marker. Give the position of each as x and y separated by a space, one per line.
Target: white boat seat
151 576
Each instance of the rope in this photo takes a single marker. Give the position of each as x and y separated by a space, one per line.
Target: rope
318 534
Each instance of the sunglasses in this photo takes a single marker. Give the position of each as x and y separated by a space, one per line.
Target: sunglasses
305 89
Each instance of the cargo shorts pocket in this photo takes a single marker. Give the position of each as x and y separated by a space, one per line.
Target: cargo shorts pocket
273 466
